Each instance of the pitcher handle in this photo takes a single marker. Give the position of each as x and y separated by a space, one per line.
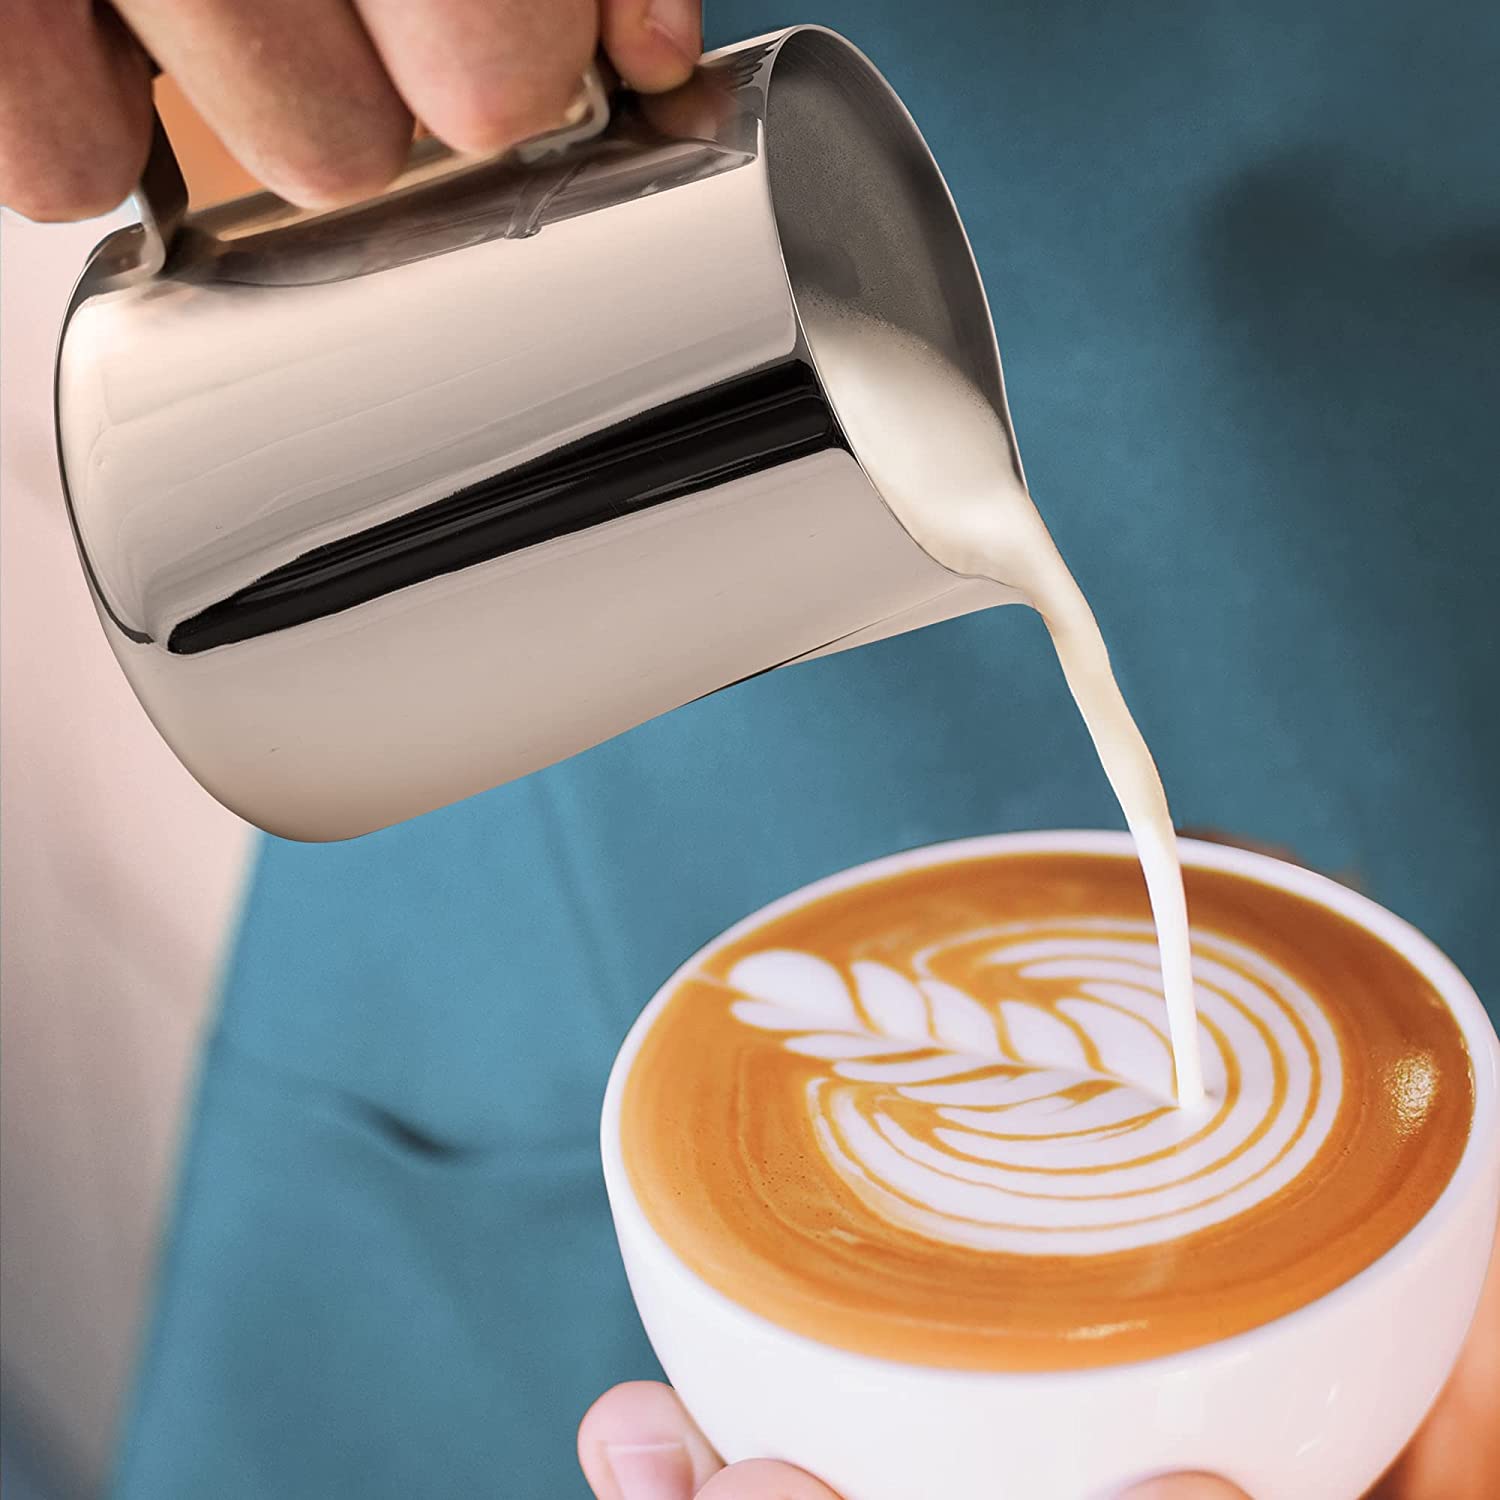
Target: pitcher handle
161 199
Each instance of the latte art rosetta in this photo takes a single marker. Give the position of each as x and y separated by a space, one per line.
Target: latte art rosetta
1017 1122
929 1114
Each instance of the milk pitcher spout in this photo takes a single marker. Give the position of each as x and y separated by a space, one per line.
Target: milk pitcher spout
384 506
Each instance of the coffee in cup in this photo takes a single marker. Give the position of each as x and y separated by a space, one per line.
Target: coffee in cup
916 1127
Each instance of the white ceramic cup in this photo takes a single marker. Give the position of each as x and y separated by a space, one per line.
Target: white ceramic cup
1311 1406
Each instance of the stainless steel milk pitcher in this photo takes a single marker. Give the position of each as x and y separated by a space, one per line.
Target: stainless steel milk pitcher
384 506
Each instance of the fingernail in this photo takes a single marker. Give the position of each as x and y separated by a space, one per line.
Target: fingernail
651 1471
676 22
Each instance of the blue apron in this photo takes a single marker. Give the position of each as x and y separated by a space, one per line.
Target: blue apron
1245 266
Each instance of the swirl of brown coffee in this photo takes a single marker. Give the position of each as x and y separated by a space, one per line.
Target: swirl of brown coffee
930 1116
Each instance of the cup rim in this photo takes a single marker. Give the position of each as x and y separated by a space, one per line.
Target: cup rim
1420 951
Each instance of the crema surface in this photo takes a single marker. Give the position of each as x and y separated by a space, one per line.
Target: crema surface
930 1117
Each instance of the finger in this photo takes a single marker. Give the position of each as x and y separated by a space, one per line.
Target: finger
760 1479
654 44
1186 1487
211 173
75 110
638 1443
484 74
293 88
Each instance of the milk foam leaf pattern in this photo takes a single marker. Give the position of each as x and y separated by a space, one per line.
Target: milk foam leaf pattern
925 1112
1011 1089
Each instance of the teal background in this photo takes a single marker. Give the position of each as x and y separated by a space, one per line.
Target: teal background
1245 267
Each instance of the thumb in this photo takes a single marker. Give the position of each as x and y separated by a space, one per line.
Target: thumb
1186 1487
638 1443
760 1479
